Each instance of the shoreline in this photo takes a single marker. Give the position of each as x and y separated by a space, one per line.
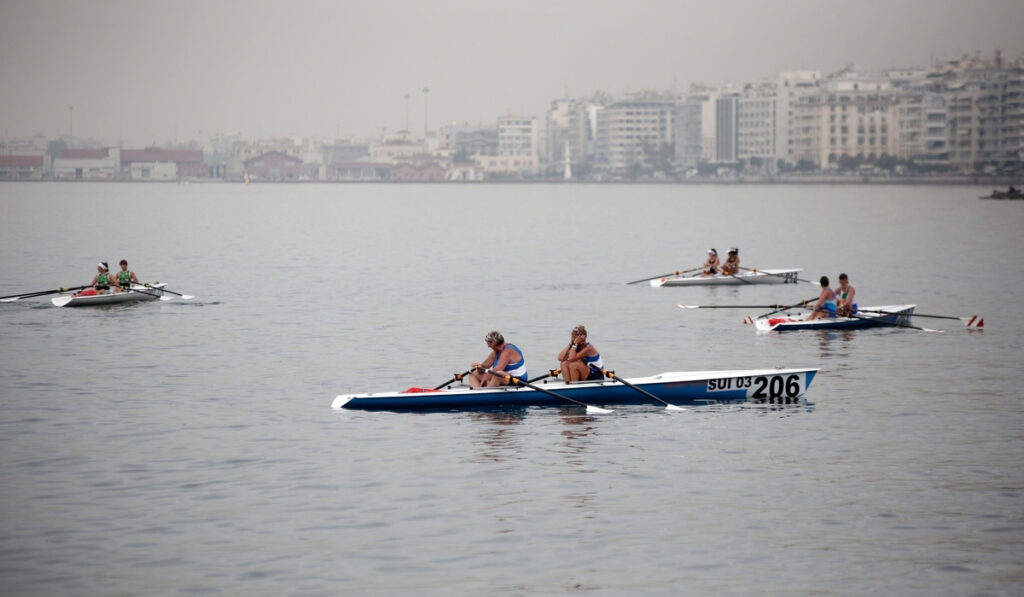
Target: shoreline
997 182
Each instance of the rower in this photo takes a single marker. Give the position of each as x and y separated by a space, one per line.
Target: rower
102 282
826 305
504 358
711 265
580 360
126 277
846 298
732 263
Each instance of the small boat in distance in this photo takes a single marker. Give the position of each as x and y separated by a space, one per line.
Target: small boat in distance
866 317
1010 193
85 298
753 276
677 388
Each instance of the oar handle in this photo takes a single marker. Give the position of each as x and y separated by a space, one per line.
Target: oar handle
511 379
455 378
43 292
684 271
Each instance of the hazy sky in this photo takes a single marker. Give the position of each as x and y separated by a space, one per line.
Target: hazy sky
152 71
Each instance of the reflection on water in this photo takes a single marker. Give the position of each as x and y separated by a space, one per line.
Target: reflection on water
834 343
498 439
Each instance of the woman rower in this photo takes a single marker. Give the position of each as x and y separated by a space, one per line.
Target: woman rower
826 305
102 281
731 267
504 358
580 360
711 265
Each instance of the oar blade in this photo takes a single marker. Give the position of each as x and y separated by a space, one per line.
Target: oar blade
60 301
597 410
688 306
974 321
674 408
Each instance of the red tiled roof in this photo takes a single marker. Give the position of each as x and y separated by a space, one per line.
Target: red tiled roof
22 161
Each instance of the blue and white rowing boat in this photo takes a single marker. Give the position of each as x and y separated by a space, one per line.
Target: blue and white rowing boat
866 317
676 388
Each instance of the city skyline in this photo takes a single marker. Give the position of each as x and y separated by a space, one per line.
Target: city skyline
151 73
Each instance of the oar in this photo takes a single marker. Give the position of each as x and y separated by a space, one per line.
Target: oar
685 271
515 380
892 323
183 296
974 321
761 271
550 373
802 303
153 294
780 307
611 375
457 377
13 297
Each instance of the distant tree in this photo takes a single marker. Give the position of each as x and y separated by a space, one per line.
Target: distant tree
806 165
635 171
848 163
887 162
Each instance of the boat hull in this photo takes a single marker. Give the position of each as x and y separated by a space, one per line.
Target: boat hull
677 388
137 294
868 317
766 276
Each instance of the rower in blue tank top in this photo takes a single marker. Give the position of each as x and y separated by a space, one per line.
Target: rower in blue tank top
504 358
580 360
826 305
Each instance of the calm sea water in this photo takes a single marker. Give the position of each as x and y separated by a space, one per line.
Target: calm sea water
188 447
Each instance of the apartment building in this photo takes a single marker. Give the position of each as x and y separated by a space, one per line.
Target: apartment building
636 133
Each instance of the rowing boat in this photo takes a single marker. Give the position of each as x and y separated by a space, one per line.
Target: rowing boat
758 276
138 292
689 388
866 317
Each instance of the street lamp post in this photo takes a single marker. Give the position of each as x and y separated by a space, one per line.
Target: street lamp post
426 128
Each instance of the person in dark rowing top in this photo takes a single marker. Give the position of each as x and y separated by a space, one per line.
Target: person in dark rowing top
504 358
102 281
126 277
846 297
580 360
731 267
711 265
826 305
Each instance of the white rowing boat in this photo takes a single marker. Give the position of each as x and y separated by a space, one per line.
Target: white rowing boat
751 276
138 292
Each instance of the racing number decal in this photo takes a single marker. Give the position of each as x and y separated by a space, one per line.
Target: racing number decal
761 386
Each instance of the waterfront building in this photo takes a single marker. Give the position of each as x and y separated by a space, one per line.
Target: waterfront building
790 86
635 134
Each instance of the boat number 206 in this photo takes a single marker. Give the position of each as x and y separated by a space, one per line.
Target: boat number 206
762 386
